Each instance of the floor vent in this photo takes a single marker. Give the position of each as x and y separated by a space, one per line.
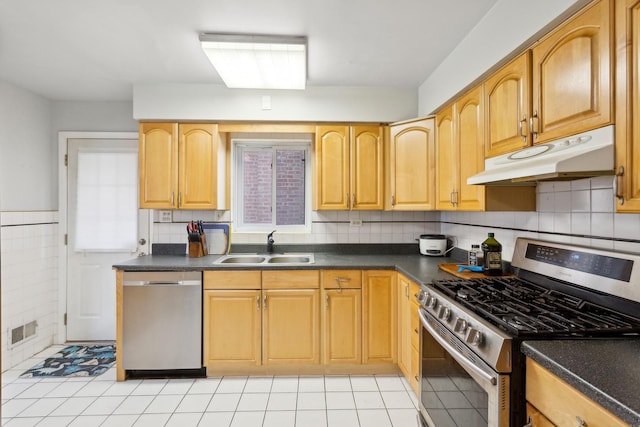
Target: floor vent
23 333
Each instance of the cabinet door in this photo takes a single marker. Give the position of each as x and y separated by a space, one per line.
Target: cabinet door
572 76
291 327
158 165
508 104
379 317
404 326
412 166
367 168
628 106
469 133
332 168
198 149
342 326
232 328
446 160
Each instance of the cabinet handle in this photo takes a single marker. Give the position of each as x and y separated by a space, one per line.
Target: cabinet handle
179 199
521 127
326 301
619 183
416 378
453 198
340 280
529 423
258 302
353 200
264 302
534 129
173 196
416 331
406 291
348 204
393 201
581 422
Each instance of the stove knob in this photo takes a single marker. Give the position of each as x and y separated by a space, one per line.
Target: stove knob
422 296
444 313
474 337
460 326
432 302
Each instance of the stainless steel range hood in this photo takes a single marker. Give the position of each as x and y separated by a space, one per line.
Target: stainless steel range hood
580 156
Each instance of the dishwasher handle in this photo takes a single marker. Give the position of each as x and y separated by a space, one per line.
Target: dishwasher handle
161 283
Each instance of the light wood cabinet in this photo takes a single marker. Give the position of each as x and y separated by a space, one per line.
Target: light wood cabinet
380 319
628 105
342 317
408 331
291 327
232 318
349 168
572 79
536 419
181 166
507 107
460 154
232 330
291 317
411 183
561 404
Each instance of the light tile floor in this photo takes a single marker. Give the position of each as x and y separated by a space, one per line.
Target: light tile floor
280 401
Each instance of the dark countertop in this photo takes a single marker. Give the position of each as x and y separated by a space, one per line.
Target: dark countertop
605 370
421 269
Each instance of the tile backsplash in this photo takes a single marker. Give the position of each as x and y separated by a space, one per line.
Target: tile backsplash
29 275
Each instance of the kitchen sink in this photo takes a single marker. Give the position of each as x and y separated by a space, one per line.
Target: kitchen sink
266 259
241 259
285 259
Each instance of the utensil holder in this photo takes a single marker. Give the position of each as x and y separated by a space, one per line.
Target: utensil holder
196 249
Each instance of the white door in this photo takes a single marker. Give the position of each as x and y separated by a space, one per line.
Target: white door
104 227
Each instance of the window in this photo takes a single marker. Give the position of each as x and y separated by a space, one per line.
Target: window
271 185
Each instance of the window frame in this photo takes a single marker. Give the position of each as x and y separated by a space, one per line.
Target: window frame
237 148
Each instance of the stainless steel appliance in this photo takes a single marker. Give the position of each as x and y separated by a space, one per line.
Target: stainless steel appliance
583 155
472 371
162 320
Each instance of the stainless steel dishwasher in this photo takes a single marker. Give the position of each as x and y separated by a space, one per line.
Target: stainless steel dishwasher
162 320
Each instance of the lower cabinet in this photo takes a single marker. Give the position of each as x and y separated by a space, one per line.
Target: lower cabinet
408 331
553 402
291 326
342 317
232 331
380 317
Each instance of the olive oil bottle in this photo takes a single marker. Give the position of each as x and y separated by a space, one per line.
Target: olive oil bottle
492 251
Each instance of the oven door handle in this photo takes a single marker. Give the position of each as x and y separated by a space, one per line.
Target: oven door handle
455 353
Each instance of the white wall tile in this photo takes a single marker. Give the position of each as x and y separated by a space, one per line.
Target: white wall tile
602 200
581 201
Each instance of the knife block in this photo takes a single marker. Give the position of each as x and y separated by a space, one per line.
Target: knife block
199 249
196 250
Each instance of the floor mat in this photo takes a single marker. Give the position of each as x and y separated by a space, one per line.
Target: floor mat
75 361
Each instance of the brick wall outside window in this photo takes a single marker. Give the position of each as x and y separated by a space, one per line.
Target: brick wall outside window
290 187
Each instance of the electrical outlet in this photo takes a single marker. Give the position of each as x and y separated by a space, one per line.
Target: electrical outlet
355 222
165 216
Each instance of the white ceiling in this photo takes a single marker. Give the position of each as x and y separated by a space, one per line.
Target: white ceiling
97 49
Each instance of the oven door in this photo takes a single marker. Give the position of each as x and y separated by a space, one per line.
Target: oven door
457 388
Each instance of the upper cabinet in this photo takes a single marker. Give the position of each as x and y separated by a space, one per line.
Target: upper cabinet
460 154
181 166
628 105
349 168
412 166
507 107
572 81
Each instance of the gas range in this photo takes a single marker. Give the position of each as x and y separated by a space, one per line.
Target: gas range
476 326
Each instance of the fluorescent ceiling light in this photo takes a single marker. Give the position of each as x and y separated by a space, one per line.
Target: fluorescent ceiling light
258 62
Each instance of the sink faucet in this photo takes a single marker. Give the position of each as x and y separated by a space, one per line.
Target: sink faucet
270 242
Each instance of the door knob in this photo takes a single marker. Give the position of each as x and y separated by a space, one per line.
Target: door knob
142 241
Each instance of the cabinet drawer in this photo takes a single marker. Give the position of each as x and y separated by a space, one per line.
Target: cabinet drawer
561 403
291 279
347 279
414 381
232 279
